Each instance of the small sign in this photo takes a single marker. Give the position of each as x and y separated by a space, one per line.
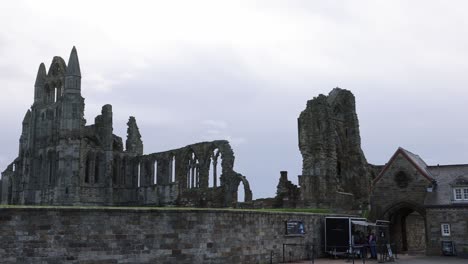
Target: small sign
295 228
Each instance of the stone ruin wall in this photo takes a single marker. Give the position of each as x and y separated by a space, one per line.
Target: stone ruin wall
179 177
63 161
200 175
335 173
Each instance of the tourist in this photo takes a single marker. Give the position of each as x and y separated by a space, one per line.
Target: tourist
372 245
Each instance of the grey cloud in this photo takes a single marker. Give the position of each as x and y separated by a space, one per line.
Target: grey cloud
408 74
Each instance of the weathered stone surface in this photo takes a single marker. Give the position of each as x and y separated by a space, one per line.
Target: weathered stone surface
199 175
150 236
287 193
458 220
63 161
416 238
330 144
134 143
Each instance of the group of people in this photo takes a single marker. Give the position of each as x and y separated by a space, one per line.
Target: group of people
364 242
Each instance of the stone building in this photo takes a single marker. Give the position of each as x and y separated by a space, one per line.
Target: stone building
426 205
63 161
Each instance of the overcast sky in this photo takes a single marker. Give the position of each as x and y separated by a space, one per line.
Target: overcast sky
193 71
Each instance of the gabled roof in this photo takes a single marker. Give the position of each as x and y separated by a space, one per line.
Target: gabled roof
414 159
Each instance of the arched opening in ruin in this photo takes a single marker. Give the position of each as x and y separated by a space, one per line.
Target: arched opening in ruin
241 192
138 174
192 171
50 167
123 171
407 228
155 172
38 170
116 170
51 95
58 91
97 168
45 94
87 168
173 169
147 173
214 169
10 192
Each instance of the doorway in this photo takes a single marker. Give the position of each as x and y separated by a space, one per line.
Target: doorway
408 229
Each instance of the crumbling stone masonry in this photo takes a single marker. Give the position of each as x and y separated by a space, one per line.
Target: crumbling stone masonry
287 193
63 161
334 171
199 175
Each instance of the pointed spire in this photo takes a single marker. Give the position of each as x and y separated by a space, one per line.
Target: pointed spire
39 84
41 75
73 67
73 74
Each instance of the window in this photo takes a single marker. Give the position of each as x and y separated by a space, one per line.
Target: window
445 229
460 193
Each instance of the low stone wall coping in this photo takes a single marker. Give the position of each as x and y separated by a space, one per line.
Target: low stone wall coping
158 209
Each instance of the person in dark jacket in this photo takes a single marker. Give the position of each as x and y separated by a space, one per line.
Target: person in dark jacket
372 245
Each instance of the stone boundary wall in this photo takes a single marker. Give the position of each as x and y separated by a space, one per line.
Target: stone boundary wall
141 235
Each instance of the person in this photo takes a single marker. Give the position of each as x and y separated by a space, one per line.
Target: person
355 239
372 245
362 242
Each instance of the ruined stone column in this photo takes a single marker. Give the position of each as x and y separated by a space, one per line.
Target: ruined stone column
333 162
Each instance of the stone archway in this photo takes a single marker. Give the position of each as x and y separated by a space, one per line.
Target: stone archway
241 181
407 227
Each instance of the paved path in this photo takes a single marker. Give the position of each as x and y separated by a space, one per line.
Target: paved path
402 259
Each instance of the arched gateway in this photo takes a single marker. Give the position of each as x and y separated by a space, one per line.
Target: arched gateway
398 195
408 226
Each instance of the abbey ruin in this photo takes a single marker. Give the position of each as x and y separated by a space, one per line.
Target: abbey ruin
64 161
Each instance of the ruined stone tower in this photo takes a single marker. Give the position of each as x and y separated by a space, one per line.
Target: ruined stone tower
63 161
334 171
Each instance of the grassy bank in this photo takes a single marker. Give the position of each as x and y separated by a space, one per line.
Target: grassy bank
275 210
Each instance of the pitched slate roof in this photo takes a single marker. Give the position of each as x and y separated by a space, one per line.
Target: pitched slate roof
446 176
414 159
